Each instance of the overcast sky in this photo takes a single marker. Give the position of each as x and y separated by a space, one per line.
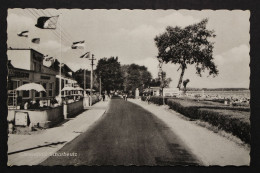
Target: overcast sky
129 34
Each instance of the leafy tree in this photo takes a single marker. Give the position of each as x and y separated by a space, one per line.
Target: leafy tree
109 71
96 83
135 76
124 72
189 45
155 82
79 77
161 82
164 82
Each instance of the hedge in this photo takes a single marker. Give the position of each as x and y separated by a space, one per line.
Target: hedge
156 99
235 122
231 119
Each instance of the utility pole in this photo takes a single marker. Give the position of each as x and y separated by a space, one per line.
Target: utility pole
91 75
60 98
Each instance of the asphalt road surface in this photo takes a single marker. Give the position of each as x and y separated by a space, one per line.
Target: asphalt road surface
126 135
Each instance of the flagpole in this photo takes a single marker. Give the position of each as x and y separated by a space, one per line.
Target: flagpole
84 77
60 62
91 77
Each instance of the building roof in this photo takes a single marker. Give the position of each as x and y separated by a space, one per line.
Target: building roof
10 48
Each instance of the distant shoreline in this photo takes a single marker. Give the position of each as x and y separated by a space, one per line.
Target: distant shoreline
217 89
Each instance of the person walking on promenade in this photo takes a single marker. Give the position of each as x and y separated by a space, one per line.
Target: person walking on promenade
103 96
126 97
148 99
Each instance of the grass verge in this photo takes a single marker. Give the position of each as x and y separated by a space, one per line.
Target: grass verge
234 120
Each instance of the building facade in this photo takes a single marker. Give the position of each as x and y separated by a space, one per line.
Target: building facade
28 66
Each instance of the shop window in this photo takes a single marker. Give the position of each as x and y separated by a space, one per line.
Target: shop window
13 85
57 86
50 89
37 94
40 68
25 93
45 87
34 66
62 83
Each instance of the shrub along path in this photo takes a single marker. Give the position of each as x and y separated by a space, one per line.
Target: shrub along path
234 120
211 148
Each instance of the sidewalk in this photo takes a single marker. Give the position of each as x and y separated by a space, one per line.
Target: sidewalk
33 149
209 147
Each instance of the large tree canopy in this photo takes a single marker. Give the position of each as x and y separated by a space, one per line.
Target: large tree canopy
109 71
135 76
161 81
79 77
189 45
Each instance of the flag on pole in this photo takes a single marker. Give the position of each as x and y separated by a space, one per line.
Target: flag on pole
36 40
86 55
23 34
78 45
45 22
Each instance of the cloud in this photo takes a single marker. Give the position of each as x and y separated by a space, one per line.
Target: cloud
19 22
134 43
144 31
236 55
233 66
74 66
54 45
177 19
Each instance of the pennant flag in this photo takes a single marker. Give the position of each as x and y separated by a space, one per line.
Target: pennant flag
23 34
45 22
36 40
78 45
86 55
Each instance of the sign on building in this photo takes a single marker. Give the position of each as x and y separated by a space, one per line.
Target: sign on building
18 74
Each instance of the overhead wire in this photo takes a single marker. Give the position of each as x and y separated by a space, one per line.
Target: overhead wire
64 38
64 33
63 30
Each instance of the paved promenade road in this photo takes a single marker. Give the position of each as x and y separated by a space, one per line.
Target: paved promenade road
126 135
